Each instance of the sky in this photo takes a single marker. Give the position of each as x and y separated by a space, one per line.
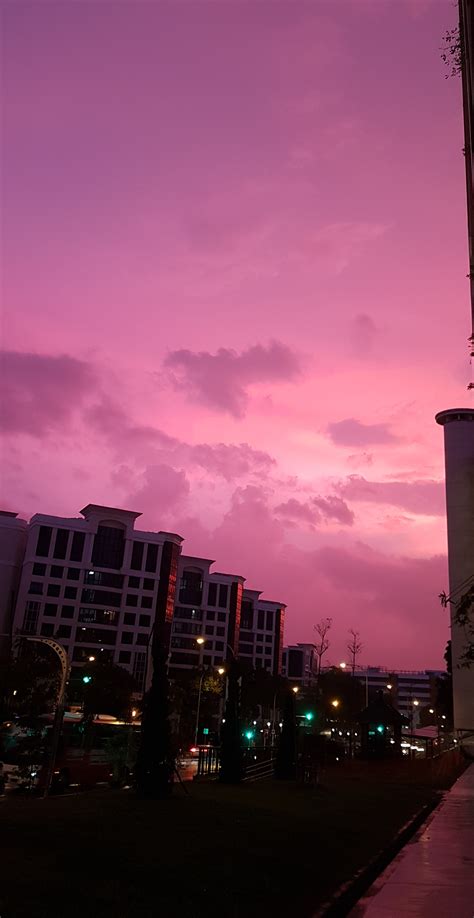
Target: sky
234 294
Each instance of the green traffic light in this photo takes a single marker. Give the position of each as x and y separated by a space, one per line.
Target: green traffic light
87 679
380 728
309 715
249 734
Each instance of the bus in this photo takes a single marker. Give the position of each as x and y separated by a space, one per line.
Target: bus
102 750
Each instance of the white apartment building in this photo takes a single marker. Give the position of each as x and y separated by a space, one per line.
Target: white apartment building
262 625
207 606
96 584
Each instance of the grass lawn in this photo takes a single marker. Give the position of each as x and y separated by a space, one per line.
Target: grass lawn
269 848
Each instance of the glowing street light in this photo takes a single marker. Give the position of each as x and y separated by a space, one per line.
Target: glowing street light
221 670
91 659
389 686
335 703
200 640
342 665
134 712
416 702
431 710
295 689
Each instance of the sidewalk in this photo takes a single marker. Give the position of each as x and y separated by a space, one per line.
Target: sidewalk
433 876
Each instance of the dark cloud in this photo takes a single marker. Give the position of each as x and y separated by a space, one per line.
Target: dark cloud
298 510
40 393
221 380
334 508
316 510
425 497
351 432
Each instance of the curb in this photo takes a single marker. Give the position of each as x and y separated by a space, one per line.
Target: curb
347 896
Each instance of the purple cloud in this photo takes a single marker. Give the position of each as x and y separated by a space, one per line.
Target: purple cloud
334 508
163 488
41 392
351 432
228 460
221 380
316 510
424 497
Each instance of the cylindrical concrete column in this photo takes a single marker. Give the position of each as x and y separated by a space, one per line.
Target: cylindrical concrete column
458 426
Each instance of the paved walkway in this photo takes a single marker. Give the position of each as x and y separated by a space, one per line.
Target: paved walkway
433 876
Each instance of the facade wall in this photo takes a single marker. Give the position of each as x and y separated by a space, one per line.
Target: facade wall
300 664
459 460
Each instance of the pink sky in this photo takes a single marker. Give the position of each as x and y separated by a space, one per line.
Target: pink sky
235 295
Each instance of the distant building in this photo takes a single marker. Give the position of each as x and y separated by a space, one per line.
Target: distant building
208 607
408 690
262 625
300 664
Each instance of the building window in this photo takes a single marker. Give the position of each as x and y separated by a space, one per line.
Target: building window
134 582
210 616
269 625
146 602
151 558
261 620
190 590
144 621
193 614
44 541
54 589
141 639
30 620
60 545
209 629
70 592
129 618
103 578
259 648
221 616
223 594
50 608
77 547
39 569
127 637
125 656
73 573
137 556
102 597
246 648
207 660
95 636
219 645
47 630
64 631
132 599
246 618
139 668
109 545
56 571
36 588
268 639
212 594
67 612
98 616
148 584
220 632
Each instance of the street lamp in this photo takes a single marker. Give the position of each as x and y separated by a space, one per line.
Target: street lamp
335 703
389 686
295 689
221 670
200 640
342 665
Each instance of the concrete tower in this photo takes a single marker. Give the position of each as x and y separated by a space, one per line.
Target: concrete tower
458 426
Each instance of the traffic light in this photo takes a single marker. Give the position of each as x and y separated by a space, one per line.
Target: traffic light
309 715
380 728
87 679
249 734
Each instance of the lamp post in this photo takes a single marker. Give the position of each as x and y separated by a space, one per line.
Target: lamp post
58 714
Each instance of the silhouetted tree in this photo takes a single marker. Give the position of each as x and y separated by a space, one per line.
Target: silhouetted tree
231 768
322 641
354 648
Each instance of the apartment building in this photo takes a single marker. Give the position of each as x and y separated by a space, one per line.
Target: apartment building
262 625
97 584
206 621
